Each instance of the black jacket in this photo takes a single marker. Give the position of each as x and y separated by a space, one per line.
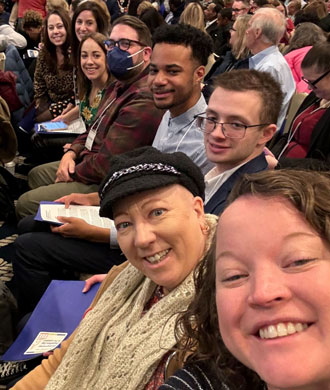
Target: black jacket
218 201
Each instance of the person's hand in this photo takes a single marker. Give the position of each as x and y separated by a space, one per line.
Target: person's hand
72 227
66 167
92 280
91 199
270 158
66 147
68 108
60 118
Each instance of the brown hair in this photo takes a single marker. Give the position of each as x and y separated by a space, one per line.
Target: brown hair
137 25
52 5
318 57
142 7
197 329
307 191
83 82
263 83
102 18
197 332
318 8
50 49
31 19
306 34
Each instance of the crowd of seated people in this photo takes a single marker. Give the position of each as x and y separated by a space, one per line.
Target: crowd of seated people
129 85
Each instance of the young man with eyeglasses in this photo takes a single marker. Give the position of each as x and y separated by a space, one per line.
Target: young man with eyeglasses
239 120
127 118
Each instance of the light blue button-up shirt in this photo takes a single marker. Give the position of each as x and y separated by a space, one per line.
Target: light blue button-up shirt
272 61
181 134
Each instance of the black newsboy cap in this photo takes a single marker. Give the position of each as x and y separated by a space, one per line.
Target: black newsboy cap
145 169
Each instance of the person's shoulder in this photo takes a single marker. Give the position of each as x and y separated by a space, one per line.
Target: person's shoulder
194 376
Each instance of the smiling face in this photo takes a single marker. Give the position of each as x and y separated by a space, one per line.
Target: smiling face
322 88
56 31
272 293
239 107
160 233
174 78
85 24
93 61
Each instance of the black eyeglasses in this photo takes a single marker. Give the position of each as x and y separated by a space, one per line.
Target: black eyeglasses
312 84
237 10
232 29
229 130
123 44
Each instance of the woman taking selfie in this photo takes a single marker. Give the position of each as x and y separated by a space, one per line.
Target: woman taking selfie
126 338
268 284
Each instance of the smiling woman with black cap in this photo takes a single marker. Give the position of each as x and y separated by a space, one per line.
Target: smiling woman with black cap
125 340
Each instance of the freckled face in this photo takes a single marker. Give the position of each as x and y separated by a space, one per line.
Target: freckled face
272 293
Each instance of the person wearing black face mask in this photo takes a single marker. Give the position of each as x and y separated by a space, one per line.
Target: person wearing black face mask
127 118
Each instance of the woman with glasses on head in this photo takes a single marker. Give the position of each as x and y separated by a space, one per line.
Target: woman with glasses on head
308 141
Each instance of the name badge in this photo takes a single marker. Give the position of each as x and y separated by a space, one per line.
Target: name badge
90 139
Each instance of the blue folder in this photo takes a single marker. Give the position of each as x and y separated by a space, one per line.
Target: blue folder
60 309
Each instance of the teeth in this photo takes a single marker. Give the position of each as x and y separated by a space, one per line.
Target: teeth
281 330
158 257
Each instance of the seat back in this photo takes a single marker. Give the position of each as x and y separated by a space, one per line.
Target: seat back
295 103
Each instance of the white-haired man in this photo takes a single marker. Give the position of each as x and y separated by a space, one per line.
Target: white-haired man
266 28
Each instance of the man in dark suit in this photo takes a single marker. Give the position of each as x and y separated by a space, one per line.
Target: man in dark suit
210 14
240 119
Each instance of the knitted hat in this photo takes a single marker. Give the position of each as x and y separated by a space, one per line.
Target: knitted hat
145 169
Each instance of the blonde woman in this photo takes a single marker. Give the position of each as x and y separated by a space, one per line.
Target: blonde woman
194 16
236 58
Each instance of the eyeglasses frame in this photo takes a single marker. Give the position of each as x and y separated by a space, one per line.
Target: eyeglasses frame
216 123
312 84
116 43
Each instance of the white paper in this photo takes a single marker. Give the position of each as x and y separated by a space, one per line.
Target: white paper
90 214
44 342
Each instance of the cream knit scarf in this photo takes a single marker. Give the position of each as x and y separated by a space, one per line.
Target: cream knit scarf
115 348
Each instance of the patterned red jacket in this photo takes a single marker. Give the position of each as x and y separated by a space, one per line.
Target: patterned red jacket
130 122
